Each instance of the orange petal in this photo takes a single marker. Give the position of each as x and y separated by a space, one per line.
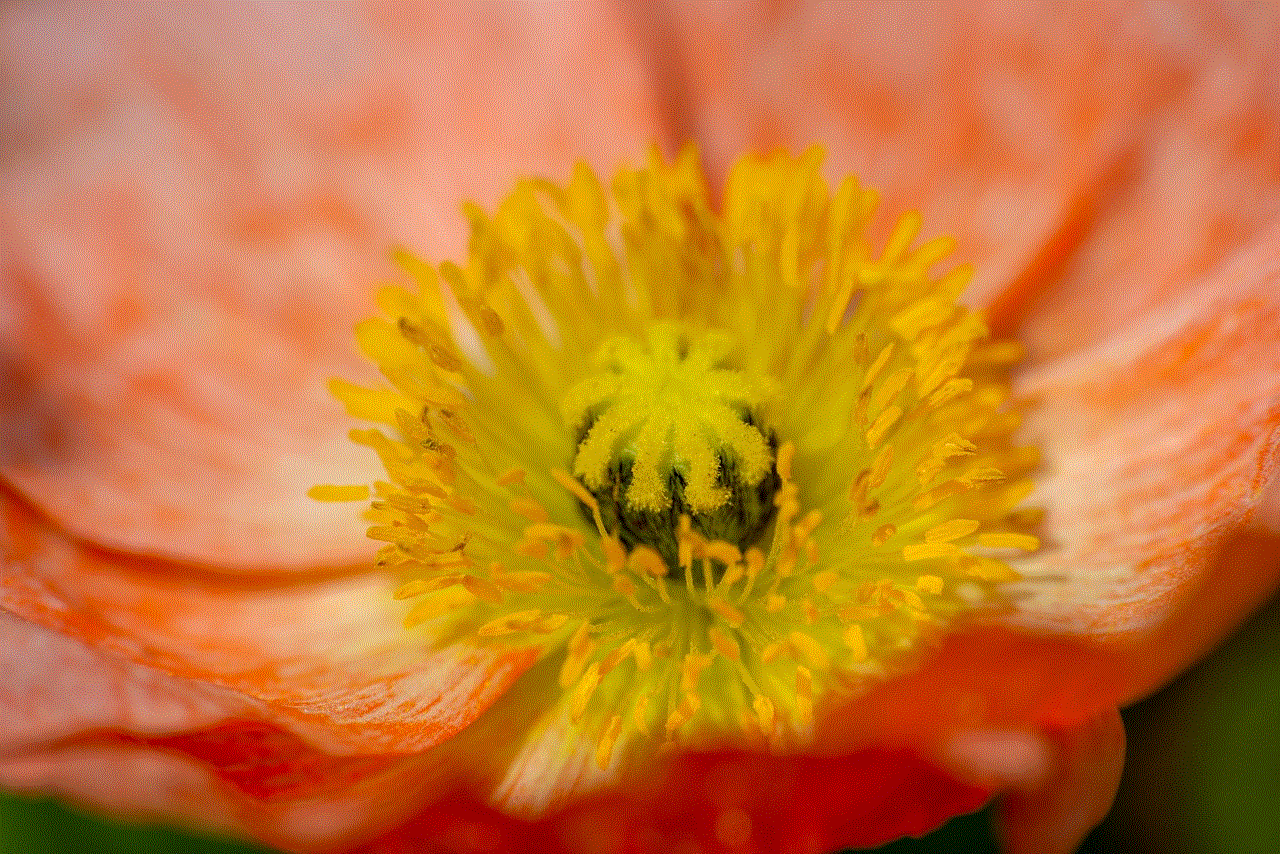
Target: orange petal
718 803
196 208
984 117
1203 181
55 687
1158 442
328 659
129 782
1054 816
730 802
168 784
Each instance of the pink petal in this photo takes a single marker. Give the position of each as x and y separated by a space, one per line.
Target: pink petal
197 204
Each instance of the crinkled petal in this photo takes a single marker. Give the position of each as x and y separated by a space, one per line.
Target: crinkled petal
196 202
1203 180
984 117
329 659
1159 442
55 687
166 783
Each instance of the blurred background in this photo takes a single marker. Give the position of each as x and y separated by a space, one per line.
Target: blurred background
1203 777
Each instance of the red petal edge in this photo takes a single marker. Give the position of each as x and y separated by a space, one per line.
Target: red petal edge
715 803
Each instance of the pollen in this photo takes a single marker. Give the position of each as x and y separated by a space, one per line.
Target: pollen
719 465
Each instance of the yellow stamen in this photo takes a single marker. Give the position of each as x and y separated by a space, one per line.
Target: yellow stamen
715 464
339 493
1025 542
952 529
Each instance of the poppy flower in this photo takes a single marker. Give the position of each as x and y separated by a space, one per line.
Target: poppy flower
196 205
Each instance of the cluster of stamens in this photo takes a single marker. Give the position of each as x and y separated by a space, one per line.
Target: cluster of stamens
750 467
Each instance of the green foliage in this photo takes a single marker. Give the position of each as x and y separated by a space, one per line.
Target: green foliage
45 826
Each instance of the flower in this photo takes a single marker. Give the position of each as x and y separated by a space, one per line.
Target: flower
188 239
718 472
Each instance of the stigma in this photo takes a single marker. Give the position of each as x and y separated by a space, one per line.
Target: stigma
718 467
671 429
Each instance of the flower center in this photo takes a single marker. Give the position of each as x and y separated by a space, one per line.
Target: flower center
757 462
673 430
